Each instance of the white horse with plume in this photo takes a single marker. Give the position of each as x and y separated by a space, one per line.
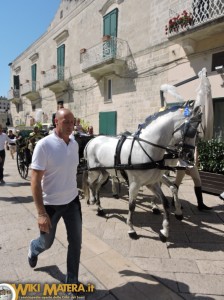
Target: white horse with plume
141 157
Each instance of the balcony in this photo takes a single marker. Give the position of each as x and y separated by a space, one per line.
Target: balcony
56 79
14 96
198 19
106 57
30 90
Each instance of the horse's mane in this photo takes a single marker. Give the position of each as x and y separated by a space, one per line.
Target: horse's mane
156 115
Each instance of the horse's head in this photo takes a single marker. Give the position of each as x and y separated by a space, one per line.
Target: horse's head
185 134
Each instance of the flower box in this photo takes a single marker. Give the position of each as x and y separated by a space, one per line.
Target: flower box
83 50
106 38
179 22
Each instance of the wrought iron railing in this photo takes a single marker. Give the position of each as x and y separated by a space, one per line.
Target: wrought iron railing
109 48
56 73
14 93
187 14
29 87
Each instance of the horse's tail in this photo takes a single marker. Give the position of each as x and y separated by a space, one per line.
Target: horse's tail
85 185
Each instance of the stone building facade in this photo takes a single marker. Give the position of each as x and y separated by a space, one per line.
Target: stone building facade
106 60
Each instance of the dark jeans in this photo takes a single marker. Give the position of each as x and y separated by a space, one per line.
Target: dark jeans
71 214
2 155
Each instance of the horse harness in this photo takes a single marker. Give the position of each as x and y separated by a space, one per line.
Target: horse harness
187 130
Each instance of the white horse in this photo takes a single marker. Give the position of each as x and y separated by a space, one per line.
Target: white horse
141 157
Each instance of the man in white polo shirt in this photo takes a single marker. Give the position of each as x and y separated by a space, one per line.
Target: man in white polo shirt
54 189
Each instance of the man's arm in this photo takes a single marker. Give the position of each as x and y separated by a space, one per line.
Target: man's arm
44 222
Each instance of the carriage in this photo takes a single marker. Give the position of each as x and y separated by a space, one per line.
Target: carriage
24 156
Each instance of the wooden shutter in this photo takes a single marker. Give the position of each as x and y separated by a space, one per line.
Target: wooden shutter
61 61
34 76
108 123
110 23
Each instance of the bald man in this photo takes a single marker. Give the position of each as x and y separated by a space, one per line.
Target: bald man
54 188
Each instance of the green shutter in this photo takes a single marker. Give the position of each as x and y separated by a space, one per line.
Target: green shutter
110 23
108 123
61 61
34 76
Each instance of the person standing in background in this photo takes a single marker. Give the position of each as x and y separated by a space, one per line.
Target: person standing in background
59 106
12 145
3 139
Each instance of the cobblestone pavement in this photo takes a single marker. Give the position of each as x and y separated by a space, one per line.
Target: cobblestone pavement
189 266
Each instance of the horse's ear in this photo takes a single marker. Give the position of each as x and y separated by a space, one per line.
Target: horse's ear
197 110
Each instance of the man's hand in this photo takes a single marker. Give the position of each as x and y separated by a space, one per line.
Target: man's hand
44 223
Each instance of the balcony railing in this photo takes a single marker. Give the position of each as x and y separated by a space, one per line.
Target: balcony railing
56 73
188 14
108 49
14 95
31 90
29 87
56 79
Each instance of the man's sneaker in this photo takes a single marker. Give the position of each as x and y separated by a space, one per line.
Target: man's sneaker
221 196
32 259
2 181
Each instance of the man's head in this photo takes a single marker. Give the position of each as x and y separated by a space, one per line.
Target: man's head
10 131
60 104
36 129
64 121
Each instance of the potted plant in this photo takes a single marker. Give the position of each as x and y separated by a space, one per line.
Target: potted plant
181 21
211 165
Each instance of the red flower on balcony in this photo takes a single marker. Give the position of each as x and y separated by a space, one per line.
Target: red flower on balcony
179 22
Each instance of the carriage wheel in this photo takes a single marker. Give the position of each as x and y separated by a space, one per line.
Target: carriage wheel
22 165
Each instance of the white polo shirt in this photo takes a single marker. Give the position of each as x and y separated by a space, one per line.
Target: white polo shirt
4 138
60 162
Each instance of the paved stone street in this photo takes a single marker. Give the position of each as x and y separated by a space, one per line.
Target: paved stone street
189 266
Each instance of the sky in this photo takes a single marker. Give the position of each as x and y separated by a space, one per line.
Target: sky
22 23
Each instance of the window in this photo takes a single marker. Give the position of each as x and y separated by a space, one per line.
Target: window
217 60
108 90
110 23
218 132
16 83
61 61
110 28
34 76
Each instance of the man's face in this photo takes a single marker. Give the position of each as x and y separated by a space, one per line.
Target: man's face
65 123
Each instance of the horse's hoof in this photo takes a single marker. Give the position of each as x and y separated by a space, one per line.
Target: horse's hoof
133 235
179 217
162 237
156 211
116 196
100 213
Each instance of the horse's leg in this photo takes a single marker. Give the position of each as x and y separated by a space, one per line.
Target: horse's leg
101 179
133 193
154 206
85 186
156 189
114 180
178 211
89 186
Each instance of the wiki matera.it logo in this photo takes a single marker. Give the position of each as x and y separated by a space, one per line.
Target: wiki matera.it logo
7 292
